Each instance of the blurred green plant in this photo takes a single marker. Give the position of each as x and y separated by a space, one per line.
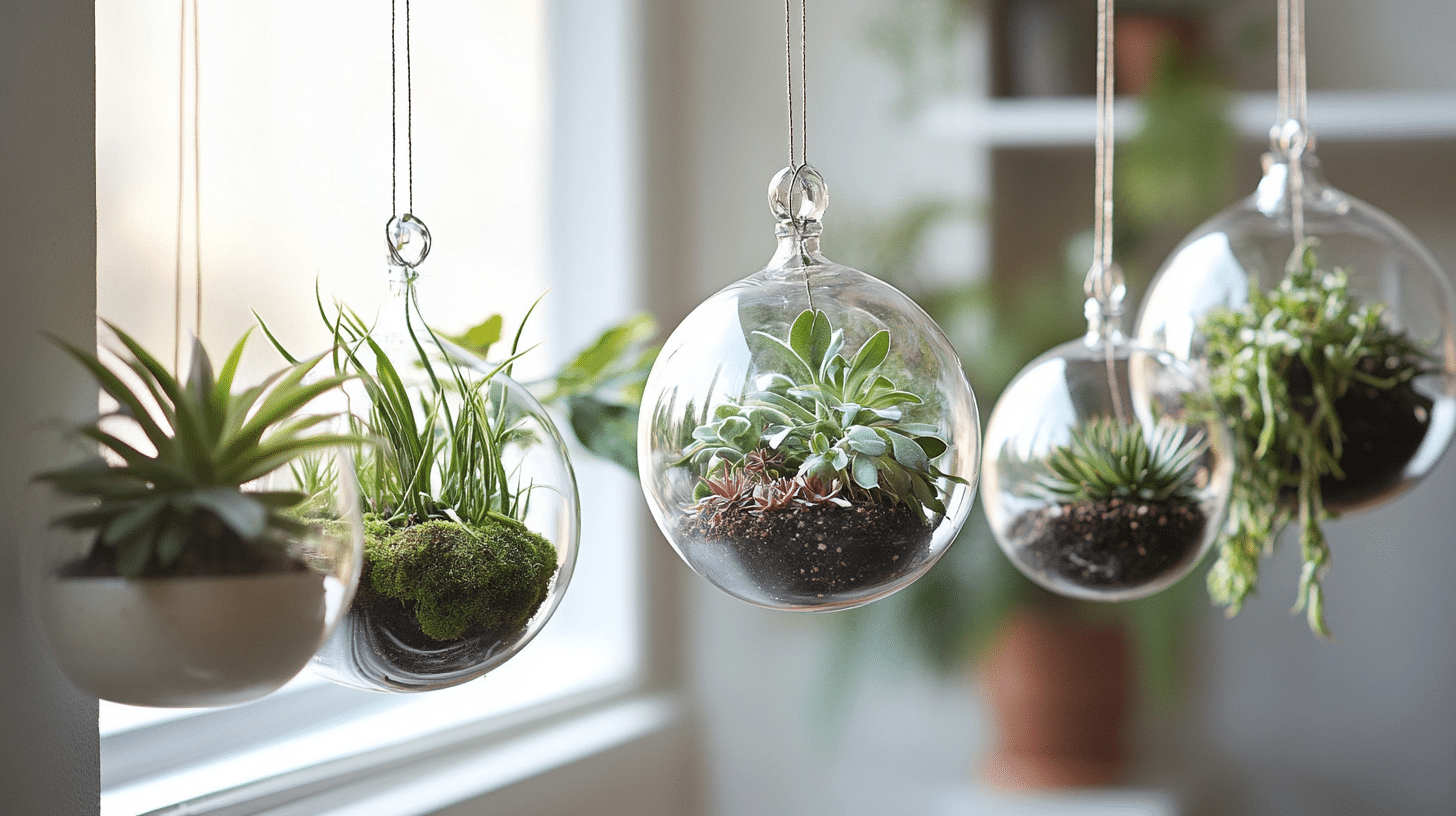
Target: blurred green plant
599 390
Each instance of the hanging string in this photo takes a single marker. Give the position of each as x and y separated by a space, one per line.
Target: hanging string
197 167
797 163
1102 223
409 108
1292 131
393 119
1104 284
803 153
406 236
181 185
182 44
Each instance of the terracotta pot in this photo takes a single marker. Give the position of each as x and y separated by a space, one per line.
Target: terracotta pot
1059 689
1142 40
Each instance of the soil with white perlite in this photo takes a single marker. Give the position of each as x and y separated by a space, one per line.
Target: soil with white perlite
811 552
1109 545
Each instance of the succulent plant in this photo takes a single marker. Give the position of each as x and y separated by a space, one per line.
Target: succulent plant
1278 366
152 509
826 417
1107 459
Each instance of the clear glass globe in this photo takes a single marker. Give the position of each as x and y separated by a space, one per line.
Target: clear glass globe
808 440
458 583
1106 472
1392 437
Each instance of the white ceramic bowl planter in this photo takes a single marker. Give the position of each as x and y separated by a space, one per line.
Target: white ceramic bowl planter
201 641
215 563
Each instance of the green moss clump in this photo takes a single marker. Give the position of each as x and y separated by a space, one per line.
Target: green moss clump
461 580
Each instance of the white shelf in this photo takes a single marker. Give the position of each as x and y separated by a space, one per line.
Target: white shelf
1072 121
974 799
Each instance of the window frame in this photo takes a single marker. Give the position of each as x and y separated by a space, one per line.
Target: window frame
594 256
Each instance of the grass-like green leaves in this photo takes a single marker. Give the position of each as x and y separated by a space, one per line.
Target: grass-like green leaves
1278 365
827 417
208 443
441 445
444 505
1107 459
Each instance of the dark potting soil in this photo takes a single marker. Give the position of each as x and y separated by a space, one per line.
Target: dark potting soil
812 551
1382 429
1108 545
209 552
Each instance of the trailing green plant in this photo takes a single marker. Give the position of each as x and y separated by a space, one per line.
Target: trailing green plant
1109 459
184 506
444 511
1278 364
825 417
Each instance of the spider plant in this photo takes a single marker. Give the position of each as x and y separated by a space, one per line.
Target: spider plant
444 511
183 507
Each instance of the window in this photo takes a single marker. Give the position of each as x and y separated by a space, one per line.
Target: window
519 129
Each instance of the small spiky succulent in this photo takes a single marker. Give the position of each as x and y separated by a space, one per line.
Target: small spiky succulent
1107 459
826 417
151 509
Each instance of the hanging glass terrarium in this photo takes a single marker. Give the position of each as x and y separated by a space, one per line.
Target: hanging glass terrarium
471 510
1361 277
808 439
1106 465
1106 469
1327 330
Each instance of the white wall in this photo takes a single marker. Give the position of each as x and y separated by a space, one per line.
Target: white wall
48 742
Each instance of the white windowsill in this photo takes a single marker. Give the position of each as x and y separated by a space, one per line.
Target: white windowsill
452 777
353 774
397 729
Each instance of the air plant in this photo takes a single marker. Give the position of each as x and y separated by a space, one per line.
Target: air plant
185 507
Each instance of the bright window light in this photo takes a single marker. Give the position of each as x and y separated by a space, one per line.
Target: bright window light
295 189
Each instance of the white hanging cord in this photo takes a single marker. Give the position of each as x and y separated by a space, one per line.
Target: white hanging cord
1104 284
394 113
1292 132
182 43
803 153
1102 223
403 229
